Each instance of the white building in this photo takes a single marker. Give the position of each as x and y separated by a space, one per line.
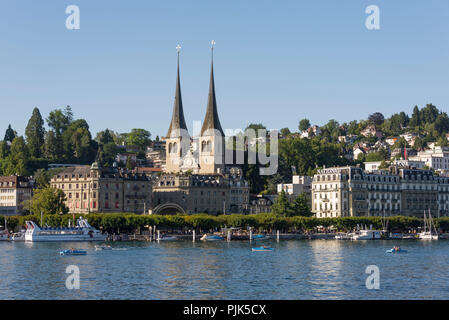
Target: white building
436 158
374 165
300 184
13 191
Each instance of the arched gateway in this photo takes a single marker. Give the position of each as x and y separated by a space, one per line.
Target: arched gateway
168 208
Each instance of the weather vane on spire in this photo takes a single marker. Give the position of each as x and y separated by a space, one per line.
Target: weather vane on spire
178 48
213 44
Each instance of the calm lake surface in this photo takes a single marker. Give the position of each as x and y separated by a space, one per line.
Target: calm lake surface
296 269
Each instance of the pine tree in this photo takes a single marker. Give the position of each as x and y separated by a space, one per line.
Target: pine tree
51 146
10 134
300 207
17 161
35 133
281 207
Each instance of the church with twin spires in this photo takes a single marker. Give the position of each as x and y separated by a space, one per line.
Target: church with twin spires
196 179
199 155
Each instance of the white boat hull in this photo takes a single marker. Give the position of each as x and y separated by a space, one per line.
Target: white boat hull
428 236
366 235
64 238
82 232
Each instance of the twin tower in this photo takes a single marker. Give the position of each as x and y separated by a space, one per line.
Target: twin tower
199 155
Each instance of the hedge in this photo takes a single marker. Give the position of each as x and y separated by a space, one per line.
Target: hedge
263 222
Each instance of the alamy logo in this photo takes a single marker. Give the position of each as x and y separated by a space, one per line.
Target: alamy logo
73 20
73 280
372 22
373 280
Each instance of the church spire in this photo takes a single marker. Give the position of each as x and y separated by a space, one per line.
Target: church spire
177 120
211 120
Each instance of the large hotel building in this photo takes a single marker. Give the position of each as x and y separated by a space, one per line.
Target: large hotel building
349 192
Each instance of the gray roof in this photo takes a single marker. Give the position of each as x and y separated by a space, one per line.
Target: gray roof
211 120
177 120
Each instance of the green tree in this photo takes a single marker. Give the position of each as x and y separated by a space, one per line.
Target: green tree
52 146
285 132
139 138
59 120
304 124
10 134
376 118
105 137
415 120
300 206
78 144
42 177
35 133
281 207
49 201
129 163
17 161
4 150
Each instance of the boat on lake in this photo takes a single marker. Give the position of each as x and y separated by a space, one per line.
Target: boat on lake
430 232
262 248
19 236
343 236
73 252
167 238
212 237
103 247
396 250
4 235
83 231
260 237
366 235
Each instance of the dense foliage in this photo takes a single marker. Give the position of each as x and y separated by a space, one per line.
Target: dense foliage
203 222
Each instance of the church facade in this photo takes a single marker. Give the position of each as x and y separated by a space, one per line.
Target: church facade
196 178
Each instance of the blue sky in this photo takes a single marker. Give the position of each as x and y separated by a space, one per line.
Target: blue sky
276 62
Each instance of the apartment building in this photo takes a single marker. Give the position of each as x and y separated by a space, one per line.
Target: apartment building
14 190
95 189
350 191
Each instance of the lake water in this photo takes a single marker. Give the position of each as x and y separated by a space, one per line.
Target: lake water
296 269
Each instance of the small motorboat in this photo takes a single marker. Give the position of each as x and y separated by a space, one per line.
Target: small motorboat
260 237
104 247
396 250
167 238
263 248
213 237
73 252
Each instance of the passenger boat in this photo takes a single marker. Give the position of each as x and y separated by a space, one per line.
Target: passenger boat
211 237
73 252
263 248
83 231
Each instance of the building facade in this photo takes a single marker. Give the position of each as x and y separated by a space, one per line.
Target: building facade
436 158
14 190
213 194
349 191
94 189
195 178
